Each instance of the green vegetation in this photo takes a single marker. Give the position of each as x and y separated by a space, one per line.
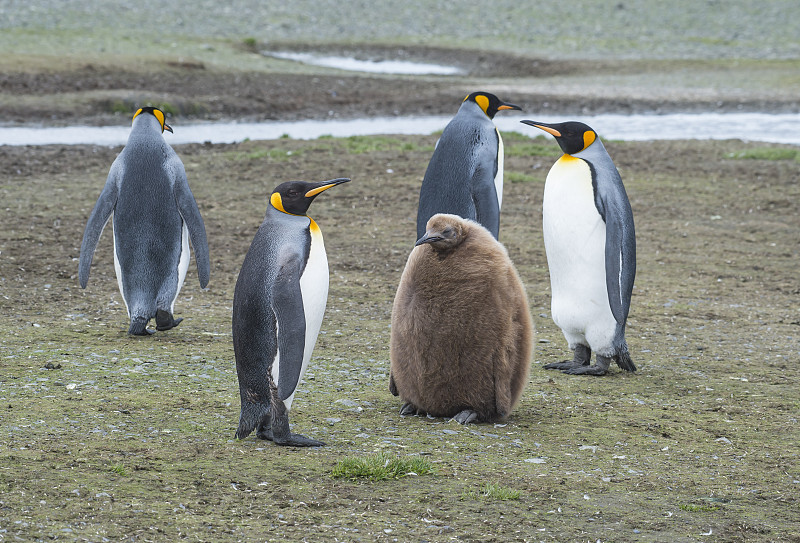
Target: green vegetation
767 153
517 177
381 466
494 492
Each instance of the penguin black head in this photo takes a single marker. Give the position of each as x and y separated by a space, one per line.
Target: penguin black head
489 103
155 112
294 197
444 232
572 136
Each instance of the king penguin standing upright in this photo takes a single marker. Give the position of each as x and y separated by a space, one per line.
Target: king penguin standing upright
154 215
590 243
278 305
465 174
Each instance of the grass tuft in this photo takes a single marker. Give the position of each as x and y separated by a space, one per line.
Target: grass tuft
381 466
694 508
119 469
494 492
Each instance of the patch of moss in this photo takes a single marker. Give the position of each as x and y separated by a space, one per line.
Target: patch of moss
381 466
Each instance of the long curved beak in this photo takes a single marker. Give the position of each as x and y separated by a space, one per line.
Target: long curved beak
506 105
543 126
326 185
168 127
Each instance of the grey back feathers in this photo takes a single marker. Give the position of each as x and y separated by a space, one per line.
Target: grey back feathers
614 207
148 195
460 178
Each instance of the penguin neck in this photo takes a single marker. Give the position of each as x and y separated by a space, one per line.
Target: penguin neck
313 226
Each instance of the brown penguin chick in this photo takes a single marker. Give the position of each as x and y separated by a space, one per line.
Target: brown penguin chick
462 335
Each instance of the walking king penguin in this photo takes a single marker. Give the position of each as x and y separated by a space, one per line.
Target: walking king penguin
465 174
591 250
154 215
278 304
462 335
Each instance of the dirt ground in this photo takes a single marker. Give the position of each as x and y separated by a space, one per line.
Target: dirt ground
105 437
108 437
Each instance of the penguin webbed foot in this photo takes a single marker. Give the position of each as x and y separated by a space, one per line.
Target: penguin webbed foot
599 368
139 327
409 409
582 357
165 320
277 430
466 416
565 365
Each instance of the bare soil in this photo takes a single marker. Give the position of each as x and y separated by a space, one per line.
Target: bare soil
109 437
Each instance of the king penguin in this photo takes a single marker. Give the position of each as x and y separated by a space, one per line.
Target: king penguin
590 244
278 305
465 174
154 215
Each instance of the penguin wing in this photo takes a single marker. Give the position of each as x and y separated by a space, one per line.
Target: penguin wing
484 190
98 219
287 303
190 213
615 209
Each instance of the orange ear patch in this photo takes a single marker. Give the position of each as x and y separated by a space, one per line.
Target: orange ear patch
276 201
482 101
588 138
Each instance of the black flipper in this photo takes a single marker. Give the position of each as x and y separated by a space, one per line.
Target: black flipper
287 302
98 219
194 224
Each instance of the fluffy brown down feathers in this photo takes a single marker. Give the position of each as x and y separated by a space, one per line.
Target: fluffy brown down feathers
462 335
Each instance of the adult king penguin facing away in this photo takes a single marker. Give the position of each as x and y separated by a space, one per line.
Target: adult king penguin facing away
591 250
155 214
462 335
278 304
465 174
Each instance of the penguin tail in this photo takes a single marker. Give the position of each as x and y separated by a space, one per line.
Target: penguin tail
623 359
251 417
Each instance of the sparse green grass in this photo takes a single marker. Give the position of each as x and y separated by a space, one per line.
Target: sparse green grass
381 466
119 469
695 508
533 149
766 153
494 492
518 177
366 144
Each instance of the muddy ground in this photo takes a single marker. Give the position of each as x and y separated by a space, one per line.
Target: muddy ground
106 437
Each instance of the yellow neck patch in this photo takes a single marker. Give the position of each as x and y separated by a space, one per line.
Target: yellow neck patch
157 113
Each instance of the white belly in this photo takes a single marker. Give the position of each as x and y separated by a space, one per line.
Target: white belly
498 178
314 287
118 268
183 264
574 238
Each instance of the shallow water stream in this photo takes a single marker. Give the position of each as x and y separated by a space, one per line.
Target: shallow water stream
776 128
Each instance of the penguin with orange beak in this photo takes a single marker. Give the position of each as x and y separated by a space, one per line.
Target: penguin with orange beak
465 173
590 242
278 305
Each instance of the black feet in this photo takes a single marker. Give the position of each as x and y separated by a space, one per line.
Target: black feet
165 320
409 408
582 357
139 327
466 416
600 368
